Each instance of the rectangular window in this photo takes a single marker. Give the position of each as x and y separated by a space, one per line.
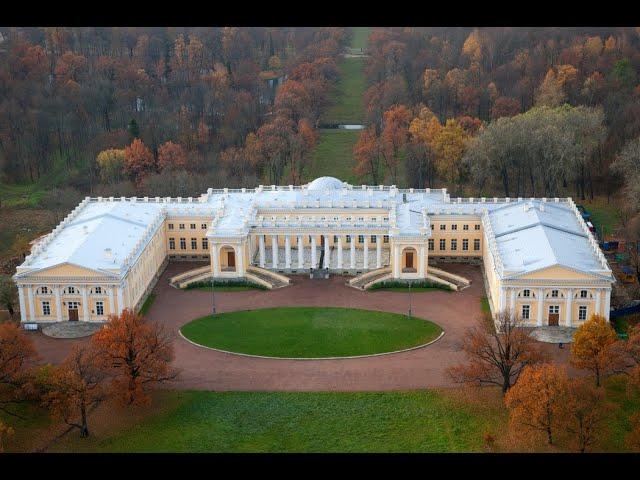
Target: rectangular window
432 225
360 238
443 245
477 226
193 226
171 226
194 244
385 239
99 308
172 244
99 290
205 244
335 239
71 290
526 310
476 244
443 226
348 238
374 239
465 227
454 244
582 313
431 244
46 308
454 226
526 293
583 294
554 309
181 226
203 226
465 244
183 244
554 293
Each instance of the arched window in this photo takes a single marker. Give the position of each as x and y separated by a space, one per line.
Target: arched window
43 291
71 290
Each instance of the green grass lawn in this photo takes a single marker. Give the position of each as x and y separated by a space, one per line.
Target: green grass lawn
346 97
307 332
197 421
360 37
333 155
484 305
147 304
604 216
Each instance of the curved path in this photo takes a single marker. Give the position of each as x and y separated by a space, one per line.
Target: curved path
211 370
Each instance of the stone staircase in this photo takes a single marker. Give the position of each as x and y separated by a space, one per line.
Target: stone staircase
365 280
267 278
456 282
185 279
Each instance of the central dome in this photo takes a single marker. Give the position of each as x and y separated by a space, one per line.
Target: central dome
325 183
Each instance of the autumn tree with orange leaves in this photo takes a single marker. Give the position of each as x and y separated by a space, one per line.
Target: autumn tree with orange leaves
592 348
171 156
136 354
75 387
16 352
394 137
536 403
587 413
497 352
367 154
138 160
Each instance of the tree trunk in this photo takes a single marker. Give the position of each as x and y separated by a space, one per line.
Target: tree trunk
84 430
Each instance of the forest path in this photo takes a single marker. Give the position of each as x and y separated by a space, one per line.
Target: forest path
333 155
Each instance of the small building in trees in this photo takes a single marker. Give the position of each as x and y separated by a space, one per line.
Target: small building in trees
540 259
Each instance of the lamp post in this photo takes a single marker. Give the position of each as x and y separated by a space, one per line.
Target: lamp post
213 297
410 299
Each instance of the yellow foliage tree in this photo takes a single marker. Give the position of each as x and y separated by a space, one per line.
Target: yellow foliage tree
591 347
111 163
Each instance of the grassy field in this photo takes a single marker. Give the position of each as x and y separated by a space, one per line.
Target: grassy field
147 304
360 37
484 305
306 332
419 421
346 98
333 156
604 216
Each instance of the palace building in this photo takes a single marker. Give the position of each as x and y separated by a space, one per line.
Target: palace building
539 258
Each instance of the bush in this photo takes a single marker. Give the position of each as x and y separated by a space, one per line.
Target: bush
228 283
405 284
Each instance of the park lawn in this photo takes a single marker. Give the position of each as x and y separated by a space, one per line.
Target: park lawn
200 421
484 305
29 426
147 304
333 155
346 96
360 37
310 332
605 216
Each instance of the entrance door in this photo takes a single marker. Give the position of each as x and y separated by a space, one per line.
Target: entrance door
231 259
73 311
554 315
409 259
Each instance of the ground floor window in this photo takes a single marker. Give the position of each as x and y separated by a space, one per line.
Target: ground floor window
335 239
46 308
431 244
183 244
348 238
99 308
205 244
582 313
443 244
454 244
360 238
385 239
554 309
465 244
526 310
476 244
194 244
172 244
374 238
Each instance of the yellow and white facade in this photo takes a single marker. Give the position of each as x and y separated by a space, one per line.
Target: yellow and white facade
540 260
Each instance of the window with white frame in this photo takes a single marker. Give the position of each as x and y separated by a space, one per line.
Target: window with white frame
583 294
582 312
443 244
98 290
526 312
465 227
374 239
476 244
554 293
454 226
193 226
100 308
348 239
46 308
431 244
360 238
172 244
465 244
183 244
476 227
554 309
203 226
443 226
205 244
194 244
454 244
385 239
526 293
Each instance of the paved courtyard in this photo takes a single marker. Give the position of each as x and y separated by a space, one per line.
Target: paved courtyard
211 370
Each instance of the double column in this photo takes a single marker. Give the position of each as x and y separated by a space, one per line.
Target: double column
326 252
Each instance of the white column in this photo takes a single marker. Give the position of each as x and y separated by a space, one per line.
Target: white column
365 262
598 301
215 257
261 247
287 252
274 251
607 303
512 302
422 260
353 251
339 251
112 305
58 303
300 252
540 306
23 308
32 307
85 304
502 300
396 261
378 251
313 252
120 298
240 260
568 307
326 252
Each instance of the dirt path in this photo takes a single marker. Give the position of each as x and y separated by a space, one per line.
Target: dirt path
210 370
